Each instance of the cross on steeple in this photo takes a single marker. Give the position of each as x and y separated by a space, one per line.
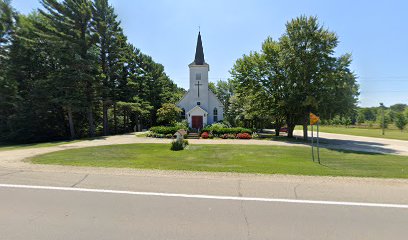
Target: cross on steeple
198 87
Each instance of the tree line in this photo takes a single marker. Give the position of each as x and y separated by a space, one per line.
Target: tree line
289 78
67 70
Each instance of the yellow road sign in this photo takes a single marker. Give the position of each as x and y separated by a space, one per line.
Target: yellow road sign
314 119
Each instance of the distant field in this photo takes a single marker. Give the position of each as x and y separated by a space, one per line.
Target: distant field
366 132
233 158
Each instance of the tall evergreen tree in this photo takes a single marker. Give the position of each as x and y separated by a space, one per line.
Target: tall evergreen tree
111 42
8 91
70 22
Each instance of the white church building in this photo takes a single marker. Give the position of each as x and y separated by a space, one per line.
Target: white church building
200 105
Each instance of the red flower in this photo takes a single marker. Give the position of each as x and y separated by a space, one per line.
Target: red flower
244 136
205 135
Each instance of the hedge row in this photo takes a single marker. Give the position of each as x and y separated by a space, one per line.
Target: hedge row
221 131
164 130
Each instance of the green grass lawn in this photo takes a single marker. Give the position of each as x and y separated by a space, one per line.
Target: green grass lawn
6 147
233 158
366 132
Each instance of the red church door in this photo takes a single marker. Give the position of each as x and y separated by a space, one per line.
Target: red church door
197 122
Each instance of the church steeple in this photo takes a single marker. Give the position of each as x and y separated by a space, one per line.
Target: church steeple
199 55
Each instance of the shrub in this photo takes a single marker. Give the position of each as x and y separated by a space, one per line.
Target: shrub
178 145
216 130
228 136
164 130
205 135
244 136
181 125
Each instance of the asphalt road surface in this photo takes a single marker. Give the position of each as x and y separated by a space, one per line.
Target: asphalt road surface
107 204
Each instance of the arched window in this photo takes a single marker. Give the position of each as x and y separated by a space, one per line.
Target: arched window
215 113
183 113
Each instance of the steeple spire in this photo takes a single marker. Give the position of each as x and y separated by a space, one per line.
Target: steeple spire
199 55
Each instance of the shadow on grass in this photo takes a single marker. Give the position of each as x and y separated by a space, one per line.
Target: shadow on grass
354 151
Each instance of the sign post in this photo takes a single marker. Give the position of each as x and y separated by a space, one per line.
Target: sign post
314 120
318 148
312 145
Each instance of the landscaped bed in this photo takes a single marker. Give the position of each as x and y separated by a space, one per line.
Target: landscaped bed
233 158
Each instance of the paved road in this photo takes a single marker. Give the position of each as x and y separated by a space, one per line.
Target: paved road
74 212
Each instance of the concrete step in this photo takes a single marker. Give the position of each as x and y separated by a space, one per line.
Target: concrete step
193 136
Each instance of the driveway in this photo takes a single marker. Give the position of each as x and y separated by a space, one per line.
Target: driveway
364 144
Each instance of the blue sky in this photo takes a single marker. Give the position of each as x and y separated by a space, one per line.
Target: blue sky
375 32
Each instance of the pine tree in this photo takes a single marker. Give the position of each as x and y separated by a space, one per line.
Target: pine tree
110 43
70 22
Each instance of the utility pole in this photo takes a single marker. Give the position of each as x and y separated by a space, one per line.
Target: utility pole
383 118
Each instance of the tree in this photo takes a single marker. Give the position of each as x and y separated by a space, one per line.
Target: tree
168 113
8 90
313 74
400 121
132 112
297 75
360 118
111 52
70 23
399 107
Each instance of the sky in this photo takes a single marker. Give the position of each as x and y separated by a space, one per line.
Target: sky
374 32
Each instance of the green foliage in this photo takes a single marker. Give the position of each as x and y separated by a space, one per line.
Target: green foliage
181 125
400 121
218 130
164 130
294 76
179 145
70 72
168 114
399 107
360 118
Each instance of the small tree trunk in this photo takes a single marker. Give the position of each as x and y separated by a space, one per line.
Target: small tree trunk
91 121
277 130
137 123
71 123
305 125
291 128
105 119
115 118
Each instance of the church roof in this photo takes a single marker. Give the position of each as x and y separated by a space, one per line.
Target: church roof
199 54
197 107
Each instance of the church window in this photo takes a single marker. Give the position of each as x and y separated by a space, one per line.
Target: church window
215 113
198 76
183 113
198 103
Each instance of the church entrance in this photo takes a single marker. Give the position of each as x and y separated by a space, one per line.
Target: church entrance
197 122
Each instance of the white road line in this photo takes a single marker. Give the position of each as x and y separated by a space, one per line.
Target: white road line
198 196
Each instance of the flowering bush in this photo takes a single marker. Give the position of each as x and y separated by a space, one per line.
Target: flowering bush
205 135
228 136
244 136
